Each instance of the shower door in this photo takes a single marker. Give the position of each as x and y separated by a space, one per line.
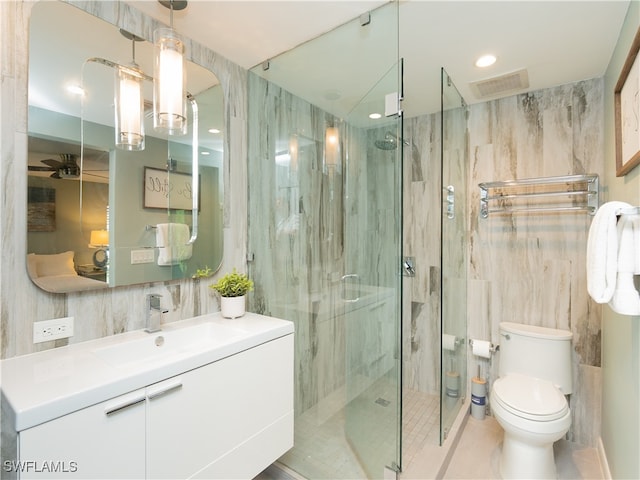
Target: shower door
454 238
324 237
372 287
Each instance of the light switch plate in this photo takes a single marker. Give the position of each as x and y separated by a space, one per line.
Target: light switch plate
143 255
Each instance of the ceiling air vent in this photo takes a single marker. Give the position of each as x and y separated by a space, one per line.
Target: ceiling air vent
507 83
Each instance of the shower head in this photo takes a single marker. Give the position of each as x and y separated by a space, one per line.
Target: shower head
389 142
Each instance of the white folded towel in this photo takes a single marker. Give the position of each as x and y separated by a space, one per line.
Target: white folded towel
171 240
602 252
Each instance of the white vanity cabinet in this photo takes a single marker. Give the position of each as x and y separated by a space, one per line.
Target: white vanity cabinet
225 413
102 441
228 419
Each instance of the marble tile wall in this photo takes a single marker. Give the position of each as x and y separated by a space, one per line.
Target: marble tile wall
295 234
116 310
306 232
530 268
421 240
525 268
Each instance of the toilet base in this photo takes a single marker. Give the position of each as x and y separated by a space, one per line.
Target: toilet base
524 460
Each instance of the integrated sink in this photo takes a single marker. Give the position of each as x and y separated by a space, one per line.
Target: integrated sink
165 345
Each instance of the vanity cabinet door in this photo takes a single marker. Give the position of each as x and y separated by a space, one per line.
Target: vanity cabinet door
228 419
104 441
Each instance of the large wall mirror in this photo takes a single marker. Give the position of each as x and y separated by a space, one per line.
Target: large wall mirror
97 214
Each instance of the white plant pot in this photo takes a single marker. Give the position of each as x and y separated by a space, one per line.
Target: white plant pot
232 307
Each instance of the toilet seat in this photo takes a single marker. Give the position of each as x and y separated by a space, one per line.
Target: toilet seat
529 398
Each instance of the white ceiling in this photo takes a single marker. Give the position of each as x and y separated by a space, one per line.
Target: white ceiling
557 42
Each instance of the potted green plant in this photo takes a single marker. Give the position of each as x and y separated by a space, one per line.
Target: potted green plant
232 288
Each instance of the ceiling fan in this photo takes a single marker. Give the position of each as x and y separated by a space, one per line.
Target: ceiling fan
66 167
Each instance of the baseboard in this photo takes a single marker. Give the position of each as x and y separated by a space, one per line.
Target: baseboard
602 456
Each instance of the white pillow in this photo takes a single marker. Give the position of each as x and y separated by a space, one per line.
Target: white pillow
56 264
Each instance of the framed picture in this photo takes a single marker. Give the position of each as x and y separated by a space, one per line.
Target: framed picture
41 209
163 189
627 112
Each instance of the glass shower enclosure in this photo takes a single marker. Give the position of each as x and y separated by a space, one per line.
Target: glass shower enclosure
325 186
454 241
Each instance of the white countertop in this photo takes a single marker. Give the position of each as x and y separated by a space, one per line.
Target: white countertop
45 385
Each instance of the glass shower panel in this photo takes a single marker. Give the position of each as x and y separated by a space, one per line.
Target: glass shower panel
454 254
324 233
371 289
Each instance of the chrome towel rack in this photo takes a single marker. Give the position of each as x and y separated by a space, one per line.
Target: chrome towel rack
543 194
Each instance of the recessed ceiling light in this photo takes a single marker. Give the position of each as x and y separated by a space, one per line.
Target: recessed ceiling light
214 130
485 61
374 116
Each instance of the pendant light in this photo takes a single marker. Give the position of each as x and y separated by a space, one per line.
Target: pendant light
169 92
332 160
129 102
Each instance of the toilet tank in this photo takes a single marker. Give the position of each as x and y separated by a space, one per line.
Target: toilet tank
539 352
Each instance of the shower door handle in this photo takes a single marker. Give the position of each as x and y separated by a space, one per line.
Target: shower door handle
345 283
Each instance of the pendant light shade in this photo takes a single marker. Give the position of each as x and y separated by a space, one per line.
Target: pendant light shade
129 108
169 94
332 160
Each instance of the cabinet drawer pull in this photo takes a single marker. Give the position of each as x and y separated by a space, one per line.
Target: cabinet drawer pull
158 391
118 407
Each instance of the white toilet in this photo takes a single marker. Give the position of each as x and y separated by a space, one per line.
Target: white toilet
528 399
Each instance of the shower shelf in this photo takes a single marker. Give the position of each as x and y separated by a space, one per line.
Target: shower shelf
517 196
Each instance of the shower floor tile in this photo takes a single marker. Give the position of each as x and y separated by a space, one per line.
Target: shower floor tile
322 450
420 423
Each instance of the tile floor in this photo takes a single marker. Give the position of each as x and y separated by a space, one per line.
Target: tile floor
475 455
478 452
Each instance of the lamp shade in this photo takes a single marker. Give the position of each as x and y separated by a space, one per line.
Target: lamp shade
169 95
129 109
99 238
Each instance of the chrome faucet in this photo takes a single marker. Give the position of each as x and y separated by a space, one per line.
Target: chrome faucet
154 313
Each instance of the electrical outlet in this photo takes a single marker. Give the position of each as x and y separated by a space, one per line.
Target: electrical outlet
47 330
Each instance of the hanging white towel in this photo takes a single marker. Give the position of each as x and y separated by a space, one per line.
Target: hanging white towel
626 299
171 240
635 221
602 252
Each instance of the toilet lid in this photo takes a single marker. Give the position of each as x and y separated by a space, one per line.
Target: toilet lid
530 397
